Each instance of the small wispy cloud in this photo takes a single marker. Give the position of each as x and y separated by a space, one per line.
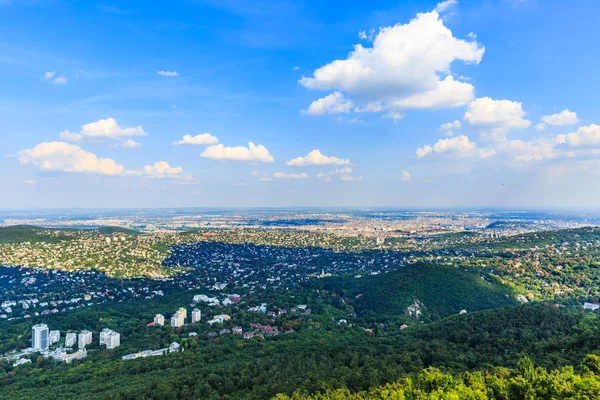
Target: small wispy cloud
168 73
57 80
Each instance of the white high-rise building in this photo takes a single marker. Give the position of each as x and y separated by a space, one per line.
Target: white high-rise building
159 320
178 319
53 337
196 315
85 338
70 339
39 337
110 338
183 313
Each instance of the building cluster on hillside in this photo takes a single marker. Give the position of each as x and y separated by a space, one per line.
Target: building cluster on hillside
118 254
52 291
251 259
179 318
47 342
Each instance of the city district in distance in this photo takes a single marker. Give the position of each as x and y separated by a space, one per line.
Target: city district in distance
104 287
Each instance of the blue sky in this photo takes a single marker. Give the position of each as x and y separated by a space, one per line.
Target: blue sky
391 104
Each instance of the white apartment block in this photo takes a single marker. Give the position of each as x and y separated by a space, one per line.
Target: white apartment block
53 337
85 338
178 319
110 338
70 339
159 320
196 315
39 337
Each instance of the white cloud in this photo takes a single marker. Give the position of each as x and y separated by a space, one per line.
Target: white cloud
66 157
394 115
444 5
57 80
201 139
60 80
584 136
334 103
448 93
450 125
296 68
459 146
101 130
364 35
344 174
578 145
496 114
523 151
424 151
565 117
168 73
350 178
240 153
30 182
408 66
316 158
131 144
70 136
406 176
162 170
284 175
540 127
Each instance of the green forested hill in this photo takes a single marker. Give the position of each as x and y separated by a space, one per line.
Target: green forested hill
440 291
27 233
109 230
525 382
317 360
34 234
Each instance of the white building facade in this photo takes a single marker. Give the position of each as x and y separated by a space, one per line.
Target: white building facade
110 338
196 315
39 337
85 338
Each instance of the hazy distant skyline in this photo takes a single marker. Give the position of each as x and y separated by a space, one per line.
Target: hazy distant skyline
246 104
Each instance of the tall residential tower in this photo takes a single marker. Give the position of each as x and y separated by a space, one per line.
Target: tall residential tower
39 337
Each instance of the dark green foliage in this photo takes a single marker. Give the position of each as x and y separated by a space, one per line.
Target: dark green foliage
313 360
525 382
26 233
35 234
109 230
442 291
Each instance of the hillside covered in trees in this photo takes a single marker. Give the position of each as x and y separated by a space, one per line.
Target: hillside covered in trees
429 292
525 382
315 360
382 321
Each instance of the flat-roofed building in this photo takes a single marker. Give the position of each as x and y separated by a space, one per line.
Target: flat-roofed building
39 337
85 338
